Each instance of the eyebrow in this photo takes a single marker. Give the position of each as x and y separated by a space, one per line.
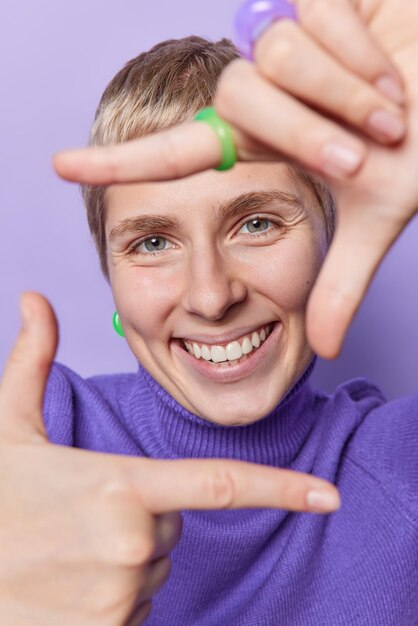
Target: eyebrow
247 202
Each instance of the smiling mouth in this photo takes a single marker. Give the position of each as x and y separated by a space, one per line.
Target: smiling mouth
232 353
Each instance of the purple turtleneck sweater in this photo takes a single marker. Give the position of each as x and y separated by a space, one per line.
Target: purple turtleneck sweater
266 567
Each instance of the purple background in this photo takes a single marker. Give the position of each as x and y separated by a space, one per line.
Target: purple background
55 60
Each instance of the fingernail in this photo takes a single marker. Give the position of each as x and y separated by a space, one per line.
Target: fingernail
25 311
339 160
323 501
389 125
391 88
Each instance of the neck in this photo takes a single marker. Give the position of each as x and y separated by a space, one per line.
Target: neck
170 431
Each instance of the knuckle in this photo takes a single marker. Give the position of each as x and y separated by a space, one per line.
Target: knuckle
171 155
134 549
288 493
233 73
315 13
229 85
116 486
274 54
303 136
127 548
360 104
221 488
113 164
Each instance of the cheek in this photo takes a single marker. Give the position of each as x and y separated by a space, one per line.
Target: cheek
286 272
147 296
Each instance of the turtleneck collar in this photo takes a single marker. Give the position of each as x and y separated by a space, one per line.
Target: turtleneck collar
170 431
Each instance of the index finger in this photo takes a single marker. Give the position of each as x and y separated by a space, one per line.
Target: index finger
224 484
169 154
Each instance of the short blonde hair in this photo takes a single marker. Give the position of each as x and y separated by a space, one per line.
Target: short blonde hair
156 90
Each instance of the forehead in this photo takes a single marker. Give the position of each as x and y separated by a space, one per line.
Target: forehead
201 194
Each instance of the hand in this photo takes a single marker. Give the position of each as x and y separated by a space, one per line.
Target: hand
314 89
85 537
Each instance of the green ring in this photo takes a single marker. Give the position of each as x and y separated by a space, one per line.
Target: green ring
224 132
117 325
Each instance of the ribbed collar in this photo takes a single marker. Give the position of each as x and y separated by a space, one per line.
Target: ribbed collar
169 431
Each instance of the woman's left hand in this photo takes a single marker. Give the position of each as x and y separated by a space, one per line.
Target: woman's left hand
293 119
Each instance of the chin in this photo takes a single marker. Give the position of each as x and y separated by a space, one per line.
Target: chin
234 411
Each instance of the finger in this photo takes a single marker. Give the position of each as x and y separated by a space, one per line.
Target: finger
167 155
336 24
292 60
23 384
349 267
140 536
194 147
276 135
174 153
286 125
165 486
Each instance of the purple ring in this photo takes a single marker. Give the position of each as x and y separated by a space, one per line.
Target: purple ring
254 16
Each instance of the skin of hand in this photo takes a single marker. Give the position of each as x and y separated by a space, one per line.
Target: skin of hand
377 204
85 537
314 118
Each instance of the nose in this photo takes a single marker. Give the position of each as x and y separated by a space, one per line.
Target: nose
214 284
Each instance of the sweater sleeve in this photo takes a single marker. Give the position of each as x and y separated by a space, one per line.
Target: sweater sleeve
386 446
58 407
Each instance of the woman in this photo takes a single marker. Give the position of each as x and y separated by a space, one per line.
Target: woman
229 260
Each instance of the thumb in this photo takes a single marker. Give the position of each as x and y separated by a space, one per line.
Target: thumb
362 239
24 380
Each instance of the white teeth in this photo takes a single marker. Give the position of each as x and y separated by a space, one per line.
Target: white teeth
247 346
233 351
206 353
218 354
255 340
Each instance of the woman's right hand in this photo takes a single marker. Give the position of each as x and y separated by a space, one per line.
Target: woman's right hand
85 537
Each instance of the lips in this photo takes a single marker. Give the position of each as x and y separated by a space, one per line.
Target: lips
232 351
263 357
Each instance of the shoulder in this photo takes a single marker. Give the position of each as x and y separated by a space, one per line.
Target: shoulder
336 419
385 445
357 395
341 413
372 438
69 398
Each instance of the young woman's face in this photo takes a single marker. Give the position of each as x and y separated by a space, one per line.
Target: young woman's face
221 262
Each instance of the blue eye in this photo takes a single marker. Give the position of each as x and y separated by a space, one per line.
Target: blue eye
150 245
154 243
257 225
